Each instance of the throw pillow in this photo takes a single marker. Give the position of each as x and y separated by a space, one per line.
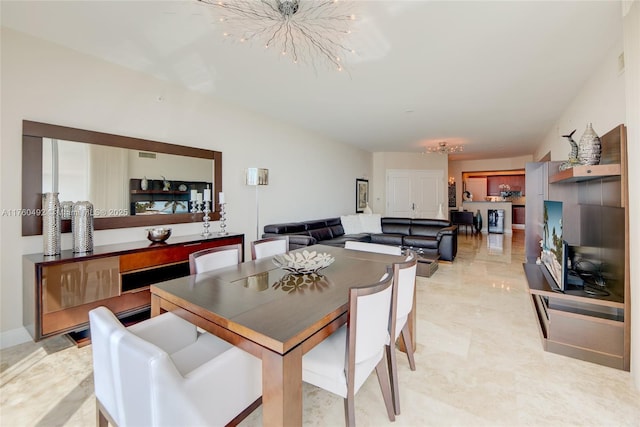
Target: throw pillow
351 224
371 223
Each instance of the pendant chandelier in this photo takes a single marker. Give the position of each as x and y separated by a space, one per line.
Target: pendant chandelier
443 148
302 30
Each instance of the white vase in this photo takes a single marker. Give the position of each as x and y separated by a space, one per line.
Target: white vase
589 147
144 184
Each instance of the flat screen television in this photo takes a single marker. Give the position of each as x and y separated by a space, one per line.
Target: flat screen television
554 248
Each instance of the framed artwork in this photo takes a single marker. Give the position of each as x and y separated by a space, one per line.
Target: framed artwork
362 194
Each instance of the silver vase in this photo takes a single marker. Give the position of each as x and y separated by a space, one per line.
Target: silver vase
589 147
51 224
82 227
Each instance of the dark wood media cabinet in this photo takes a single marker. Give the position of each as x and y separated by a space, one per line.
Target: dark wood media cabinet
59 291
575 325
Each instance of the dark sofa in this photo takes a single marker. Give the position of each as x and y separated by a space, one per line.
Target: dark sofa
433 236
325 231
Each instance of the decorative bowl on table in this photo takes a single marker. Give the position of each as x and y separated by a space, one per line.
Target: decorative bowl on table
158 234
304 262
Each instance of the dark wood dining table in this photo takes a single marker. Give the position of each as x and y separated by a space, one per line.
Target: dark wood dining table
274 315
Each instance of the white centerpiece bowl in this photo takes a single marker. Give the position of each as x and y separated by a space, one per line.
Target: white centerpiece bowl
304 262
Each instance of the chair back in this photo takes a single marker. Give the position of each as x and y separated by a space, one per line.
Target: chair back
404 284
369 328
105 327
269 246
212 258
373 247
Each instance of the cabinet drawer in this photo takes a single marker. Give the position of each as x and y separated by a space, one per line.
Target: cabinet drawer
162 256
587 332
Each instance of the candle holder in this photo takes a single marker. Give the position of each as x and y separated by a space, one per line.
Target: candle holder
195 208
205 219
223 219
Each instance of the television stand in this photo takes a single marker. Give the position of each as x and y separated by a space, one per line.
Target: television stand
577 324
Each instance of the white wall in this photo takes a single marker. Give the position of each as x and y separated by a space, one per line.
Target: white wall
384 161
310 177
601 102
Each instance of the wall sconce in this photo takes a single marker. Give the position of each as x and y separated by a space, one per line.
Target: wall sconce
257 177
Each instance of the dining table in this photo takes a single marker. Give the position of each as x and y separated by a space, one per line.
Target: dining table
273 314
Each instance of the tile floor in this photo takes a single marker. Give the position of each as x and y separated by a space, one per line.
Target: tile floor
479 363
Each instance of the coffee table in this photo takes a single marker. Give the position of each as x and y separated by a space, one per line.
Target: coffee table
427 263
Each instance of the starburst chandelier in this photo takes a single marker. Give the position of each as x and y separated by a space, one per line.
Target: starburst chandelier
303 30
443 148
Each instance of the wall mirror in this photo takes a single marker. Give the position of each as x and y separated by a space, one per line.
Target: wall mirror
130 181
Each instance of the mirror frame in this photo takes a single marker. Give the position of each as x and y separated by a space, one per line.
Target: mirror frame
34 132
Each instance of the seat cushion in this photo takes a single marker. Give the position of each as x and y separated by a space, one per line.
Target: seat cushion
425 230
205 348
387 239
321 234
324 365
421 242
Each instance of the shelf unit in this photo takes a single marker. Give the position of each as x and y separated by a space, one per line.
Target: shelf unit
576 323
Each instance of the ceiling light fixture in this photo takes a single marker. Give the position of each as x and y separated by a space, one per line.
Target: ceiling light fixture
443 148
298 28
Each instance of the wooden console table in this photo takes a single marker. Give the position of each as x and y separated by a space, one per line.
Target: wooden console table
59 291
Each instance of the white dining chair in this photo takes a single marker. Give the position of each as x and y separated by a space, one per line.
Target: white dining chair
212 258
163 372
404 285
269 246
343 361
373 247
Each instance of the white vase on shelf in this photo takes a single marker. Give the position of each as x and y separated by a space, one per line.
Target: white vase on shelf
144 184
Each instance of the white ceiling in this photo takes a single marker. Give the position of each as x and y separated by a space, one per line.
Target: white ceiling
492 75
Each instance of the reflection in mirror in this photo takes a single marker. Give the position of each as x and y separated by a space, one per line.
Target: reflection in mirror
111 178
108 170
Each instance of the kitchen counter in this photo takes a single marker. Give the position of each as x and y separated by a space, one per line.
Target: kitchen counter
483 207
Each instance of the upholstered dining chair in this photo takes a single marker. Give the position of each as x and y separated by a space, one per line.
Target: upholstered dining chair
373 247
404 285
269 246
343 361
163 372
212 258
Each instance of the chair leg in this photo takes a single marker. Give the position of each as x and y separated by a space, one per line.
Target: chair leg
383 379
393 374
101 419
349 411
408 345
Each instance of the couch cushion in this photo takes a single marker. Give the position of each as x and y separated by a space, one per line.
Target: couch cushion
351 224
421 242
440 223
321 234
395 228
371 223
337 230
333 221
387 239
313 225
289 227
425 230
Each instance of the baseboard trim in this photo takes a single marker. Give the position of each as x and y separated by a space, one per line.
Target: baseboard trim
14 337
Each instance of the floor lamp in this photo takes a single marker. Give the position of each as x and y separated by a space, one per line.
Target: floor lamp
257 177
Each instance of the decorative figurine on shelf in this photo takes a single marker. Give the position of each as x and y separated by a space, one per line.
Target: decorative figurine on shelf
166 184
590 147
573 155
144 184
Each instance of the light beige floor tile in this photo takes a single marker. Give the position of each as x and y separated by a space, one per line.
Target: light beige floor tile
479 363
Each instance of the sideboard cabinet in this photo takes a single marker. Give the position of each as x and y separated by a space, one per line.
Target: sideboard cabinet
59 291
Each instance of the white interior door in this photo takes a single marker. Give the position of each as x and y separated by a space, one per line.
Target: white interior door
414 193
